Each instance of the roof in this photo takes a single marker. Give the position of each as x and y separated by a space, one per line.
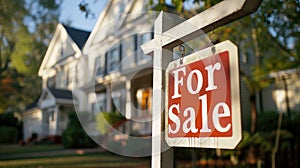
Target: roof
61 93
32 105
78 36
284 73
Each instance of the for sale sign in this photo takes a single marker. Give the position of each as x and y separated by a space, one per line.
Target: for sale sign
203 99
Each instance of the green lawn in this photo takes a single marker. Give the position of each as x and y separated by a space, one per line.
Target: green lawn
15 149
88 160
99 159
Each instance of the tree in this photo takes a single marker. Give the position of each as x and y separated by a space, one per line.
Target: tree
272 33
25 30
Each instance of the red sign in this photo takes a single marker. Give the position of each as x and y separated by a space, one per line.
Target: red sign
202 99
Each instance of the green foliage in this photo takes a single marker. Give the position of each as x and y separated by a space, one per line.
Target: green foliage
9 134
107 120
75 136
282 19
11 128
272 36
8 119
25 27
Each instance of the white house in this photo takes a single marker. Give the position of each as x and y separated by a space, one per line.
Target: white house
106 71
118 74
47 117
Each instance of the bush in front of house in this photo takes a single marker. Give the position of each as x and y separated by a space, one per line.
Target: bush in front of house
108 120
10 128
9 134
75 136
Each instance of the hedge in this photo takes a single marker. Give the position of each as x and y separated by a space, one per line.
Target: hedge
9 134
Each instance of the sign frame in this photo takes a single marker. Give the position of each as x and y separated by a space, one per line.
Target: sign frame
211 142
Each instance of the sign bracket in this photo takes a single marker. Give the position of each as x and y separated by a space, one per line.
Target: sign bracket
222 13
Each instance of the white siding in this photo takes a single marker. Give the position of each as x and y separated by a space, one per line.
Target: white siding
32 121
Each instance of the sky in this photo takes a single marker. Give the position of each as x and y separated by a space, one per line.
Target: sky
72 16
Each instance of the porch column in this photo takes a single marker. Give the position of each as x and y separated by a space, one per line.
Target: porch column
128 109
45 123
56 119
128 100
108 98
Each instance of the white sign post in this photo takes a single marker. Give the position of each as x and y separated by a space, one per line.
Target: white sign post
222 13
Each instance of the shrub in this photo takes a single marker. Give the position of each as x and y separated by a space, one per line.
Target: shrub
75 136
9 119
106 120
9 134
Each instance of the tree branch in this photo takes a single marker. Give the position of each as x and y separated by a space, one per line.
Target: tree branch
281 46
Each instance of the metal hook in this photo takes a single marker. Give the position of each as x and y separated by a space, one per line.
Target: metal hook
182 49
213 38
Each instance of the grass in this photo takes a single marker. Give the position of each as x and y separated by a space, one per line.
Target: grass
77 160
16 149
87 160
99 159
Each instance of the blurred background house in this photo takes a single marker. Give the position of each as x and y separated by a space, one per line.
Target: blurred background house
106 71
47 116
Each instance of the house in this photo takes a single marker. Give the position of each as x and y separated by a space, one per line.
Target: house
101 71
118 74
106 71
47 116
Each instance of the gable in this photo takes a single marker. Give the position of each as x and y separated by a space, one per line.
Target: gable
112 18
61 49
46 99
46 95
133 12
62 46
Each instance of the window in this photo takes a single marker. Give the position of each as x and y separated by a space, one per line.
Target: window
128 49
144 101
143 39
51 82
71 76
61 80
118 100
99 66
113 59
51 113
144 97
100 104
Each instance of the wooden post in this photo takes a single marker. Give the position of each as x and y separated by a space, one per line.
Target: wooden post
165 38
157 95
162 56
